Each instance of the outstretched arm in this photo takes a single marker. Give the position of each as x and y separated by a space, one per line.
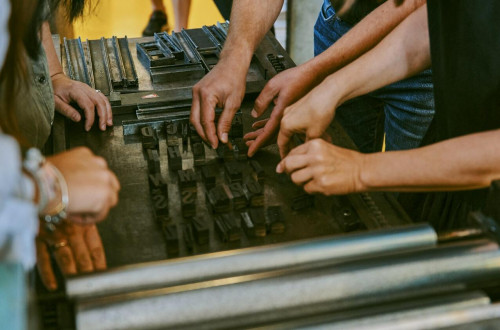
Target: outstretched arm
292 84
224 86
403 53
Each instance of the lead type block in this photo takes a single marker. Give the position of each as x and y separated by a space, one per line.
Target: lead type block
198 150
224 153
174 158
302 201
227 228
172 238
200 230
159 197
258 170
233 172
237 196
240 149
236 130
254 222
275 221
153 161
187 235
254 193
149 138
187 179
171 132
188 203
208 174
219 200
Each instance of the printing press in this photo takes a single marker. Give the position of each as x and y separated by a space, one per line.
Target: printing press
209 239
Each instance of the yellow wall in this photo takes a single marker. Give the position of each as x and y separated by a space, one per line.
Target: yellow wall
129 17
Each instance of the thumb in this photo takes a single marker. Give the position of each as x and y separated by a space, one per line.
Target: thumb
66 109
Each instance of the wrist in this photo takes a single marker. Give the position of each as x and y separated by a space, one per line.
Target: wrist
369 174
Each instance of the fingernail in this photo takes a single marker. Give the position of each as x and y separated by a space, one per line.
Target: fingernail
254 113
76 117
103 127
224 137
279 168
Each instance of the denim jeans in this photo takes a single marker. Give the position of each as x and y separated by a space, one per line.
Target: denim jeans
404 109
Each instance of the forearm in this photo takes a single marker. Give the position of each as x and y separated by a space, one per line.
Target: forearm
462 163
403 53
250 21
362 37
50 51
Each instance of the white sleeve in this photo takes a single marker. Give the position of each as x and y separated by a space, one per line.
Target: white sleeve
18 214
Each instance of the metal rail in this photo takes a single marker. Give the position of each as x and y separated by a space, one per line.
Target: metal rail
329 250
248 300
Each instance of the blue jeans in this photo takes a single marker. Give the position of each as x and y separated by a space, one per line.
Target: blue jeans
404 109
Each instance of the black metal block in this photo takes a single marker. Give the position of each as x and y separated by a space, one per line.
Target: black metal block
208 174
188 203
260 174
238 196
200 230
275 221
185 135
187 179
240 149
224 153
171 129
174 158
236 130
233 172
156 180
219 200
302 201
149 138
198 150
187 234
172 238
159 197
254 193
153 161
254 222
227 228
193 135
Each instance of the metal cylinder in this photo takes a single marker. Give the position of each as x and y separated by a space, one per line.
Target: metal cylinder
327 250
236 303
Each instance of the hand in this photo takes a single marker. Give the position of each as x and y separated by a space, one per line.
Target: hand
324 168
92 187
284 89
67 91
310 116
76 248
223 87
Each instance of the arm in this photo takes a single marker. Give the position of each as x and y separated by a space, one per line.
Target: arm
67 90
463 163
403 53
291 85
224 86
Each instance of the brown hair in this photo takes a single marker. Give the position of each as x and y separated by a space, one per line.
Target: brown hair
14 73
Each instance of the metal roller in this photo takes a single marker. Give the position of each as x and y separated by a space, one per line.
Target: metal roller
244 301
303 254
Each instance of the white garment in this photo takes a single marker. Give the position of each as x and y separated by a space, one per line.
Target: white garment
18 214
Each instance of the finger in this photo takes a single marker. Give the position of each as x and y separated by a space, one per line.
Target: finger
80 251
302 176
109 111
94 244
312 187
225 120
194 118
249 143
292 163
263 100
44 266
260 123
65 260
284 136
66 109
100 106
207 117
269 131
250 136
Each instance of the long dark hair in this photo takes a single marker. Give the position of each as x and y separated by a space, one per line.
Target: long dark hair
26 19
